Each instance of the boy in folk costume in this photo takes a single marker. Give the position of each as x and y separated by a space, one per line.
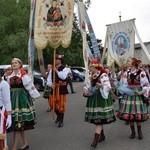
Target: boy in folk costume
5 111
60 85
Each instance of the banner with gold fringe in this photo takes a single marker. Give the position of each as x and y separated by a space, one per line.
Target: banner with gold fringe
53 23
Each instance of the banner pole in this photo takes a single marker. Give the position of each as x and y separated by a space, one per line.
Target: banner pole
104 50
54 64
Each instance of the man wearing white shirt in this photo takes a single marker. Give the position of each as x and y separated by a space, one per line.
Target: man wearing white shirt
60 86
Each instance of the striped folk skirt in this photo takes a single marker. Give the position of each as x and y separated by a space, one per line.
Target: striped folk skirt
133 109
23 111
47 91
98 110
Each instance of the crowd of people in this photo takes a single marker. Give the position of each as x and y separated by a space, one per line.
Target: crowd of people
130 85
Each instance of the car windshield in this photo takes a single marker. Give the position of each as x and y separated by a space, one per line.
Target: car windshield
36 73
76 71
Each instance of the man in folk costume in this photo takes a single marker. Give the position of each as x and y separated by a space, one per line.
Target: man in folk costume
5 111
60 85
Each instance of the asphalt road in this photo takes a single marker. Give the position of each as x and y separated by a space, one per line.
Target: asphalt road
77 134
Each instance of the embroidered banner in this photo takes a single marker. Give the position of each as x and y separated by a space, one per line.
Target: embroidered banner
31 47
88 50
121 39
81 11
92 37
53 23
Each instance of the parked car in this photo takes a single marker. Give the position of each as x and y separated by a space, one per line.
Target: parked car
80 69
77 76
39 81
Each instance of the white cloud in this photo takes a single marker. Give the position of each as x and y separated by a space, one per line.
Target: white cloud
106 12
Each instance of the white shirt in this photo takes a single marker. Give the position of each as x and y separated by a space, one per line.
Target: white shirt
5 95
61 74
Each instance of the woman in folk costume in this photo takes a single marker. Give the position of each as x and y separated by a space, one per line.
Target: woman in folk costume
23 111
132 108
5 111
60 85
99 106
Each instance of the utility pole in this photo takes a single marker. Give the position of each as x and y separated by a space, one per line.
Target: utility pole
120 16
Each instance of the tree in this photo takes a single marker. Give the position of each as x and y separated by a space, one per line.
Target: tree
14 30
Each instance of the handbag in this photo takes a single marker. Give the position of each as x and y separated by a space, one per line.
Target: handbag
123 89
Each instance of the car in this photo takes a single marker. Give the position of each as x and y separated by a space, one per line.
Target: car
80 69
39 81
77 76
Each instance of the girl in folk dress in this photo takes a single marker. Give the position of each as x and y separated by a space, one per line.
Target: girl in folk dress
132 107
99 106
23 111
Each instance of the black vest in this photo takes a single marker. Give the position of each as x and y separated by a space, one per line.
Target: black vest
63 87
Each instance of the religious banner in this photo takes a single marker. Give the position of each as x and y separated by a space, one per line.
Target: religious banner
31 47
53 23
82 24
90 55
121 39
96 50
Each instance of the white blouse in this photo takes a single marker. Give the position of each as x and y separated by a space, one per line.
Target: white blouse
5 95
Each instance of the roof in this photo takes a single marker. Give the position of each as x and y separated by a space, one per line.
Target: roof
138 45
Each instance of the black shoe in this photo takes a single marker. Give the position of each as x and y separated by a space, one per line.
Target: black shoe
60 124
73 92
48 109
132 136
25 148
56 121
93 145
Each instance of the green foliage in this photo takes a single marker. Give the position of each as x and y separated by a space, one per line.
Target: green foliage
14 26
14 29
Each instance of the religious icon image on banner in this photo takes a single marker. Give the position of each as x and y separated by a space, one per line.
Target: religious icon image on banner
121 43
54 14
